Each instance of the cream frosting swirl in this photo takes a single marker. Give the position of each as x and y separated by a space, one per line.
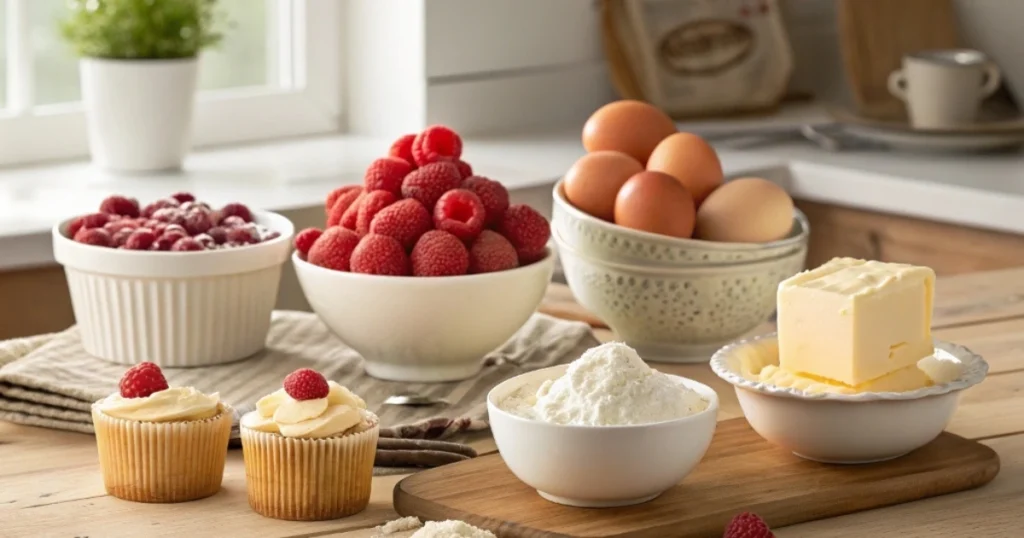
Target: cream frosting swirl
279 413
168 405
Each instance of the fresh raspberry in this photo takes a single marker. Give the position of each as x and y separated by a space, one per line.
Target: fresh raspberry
92 220
140 239
159 204
492 252
186 244
439 253
166 240
170 215
120 205
429 182
492 193
305 239
175 228
435 143
333 196
404 220
465 170
192 205
94 236
205 240
747 525
120 237
527 230
402 148
237 210
461 213
380 255
232 222
243 235
351 217
341 205
386 175
219 234
306 384
333 249
183 197
198 222
142 380
372 204
115 226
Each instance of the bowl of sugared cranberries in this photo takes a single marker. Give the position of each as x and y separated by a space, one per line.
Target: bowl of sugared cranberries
174 282
426 267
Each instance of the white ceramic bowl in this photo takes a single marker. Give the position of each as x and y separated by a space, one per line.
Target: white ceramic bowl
677 314
606 241
420 329
176 309
599 466
846 428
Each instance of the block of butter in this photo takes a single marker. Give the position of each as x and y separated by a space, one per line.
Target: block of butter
853 321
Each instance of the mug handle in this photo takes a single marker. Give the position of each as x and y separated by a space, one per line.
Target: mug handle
991 80
898 85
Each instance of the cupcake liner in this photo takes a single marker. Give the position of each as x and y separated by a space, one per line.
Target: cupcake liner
162 462
309 479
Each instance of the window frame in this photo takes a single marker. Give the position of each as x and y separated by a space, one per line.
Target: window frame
308 102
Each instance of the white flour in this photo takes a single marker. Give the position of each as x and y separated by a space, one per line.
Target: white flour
451 529
610 385
399 525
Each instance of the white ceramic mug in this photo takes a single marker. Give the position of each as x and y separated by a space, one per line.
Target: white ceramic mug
944 88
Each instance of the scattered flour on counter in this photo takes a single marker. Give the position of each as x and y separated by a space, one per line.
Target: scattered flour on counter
610 385
451 529
399 525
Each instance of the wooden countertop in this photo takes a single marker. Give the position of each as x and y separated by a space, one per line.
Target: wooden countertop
50 482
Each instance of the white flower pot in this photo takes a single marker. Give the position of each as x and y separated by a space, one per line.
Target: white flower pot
139 112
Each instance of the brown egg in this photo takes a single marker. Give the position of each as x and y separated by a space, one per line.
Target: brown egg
746 210
632 127
657 203
691 160
593 182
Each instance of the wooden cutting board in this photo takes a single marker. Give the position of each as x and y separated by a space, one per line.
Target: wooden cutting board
740 472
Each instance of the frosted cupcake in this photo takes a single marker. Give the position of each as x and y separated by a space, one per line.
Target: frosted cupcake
159 444
309 450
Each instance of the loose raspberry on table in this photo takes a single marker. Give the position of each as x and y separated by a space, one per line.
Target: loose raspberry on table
493 195
341 205
492 252
351 216
197 221
140 239
435 143
402 148
305 239
94 236
386 174
404 220
219 234
439 253
333 196
237 210
429 182
747 525
142 380
183 197
380 255
186 244
333 249
120 205
527 230
159 204
306 384
461 213
372 204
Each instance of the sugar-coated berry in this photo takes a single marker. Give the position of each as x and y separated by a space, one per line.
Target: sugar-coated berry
439 253
386 174
333 196
166 240
243 235
493 195
120 205
747 525
158 205
342 204
380 255
370 205
402 148
92 220
436 143
461 213
187 244
206 241
198 221
333 249
183 197
140 239
219 234
429 182
527 230
492 252
94 236
404 220
305 239
120 237
232 222
306 384
142 380
237 210
170 215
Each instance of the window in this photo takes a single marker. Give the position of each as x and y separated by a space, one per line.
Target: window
275 74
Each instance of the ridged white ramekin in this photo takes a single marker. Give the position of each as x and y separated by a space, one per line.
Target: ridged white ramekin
176 309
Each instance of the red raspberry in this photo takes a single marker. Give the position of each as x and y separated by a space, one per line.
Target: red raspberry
492 193
461 213
402 148
341 205
183 197
243 235
333 196
94 236
142 380
120 237
404 220
219 234
170 215
333 249
386 175
380 255
351 217
159 204
140 239
747 525
305 239
120 205
435 143
465 170
527 230
492 252
206 241
236 210
92 220
372 204
115 226
166 240
429 182
186 244
306 384
439 253
233 222
197 222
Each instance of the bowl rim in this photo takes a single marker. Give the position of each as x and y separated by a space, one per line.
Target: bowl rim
547 261
679 242
705 391
974 372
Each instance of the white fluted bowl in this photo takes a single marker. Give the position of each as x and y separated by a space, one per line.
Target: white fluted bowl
176 309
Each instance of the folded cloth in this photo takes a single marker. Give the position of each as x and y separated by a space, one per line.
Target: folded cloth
50 381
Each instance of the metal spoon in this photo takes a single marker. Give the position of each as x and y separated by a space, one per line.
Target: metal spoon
414 400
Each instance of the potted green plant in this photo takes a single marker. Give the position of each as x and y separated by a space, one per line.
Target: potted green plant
138 73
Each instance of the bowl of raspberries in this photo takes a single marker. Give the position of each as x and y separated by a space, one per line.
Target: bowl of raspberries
176 281
425 267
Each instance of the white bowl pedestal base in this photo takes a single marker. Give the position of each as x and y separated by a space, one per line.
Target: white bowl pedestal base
422 373
582 503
